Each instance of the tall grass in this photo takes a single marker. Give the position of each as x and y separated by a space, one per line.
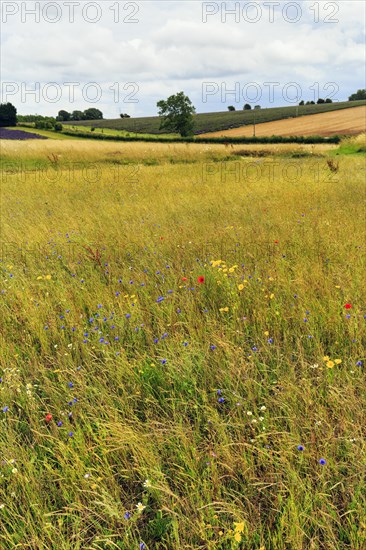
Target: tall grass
210 402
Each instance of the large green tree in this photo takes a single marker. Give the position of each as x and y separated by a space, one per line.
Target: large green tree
360 94
8 115
177 114
93 114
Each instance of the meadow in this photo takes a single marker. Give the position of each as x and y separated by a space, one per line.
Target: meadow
182 346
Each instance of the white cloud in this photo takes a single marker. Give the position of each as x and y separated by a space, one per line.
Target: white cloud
171 49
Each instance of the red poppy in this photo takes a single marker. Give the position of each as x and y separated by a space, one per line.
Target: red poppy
201 279
48 417
348 306
184 278
276 242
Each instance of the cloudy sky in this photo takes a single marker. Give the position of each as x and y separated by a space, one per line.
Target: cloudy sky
122 56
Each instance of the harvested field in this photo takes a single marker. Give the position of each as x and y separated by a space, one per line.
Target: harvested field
345 122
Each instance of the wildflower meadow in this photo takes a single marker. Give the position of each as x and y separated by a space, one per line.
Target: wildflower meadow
182 346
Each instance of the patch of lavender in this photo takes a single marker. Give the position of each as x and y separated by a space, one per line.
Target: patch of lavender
18 134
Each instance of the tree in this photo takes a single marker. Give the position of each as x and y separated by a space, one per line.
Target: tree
77 115
177 114
8 115
320 101
257 107
247 107
231 108
58 127
328 100
360 94
302 102
63 115
93 114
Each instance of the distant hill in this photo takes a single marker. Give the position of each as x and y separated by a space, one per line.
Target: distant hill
215 122
342 122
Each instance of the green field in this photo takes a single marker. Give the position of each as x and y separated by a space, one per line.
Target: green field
214 122
183 346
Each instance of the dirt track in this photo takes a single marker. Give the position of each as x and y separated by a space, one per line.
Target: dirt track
346 121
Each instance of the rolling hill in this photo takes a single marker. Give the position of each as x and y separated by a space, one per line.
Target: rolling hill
344 122
216 122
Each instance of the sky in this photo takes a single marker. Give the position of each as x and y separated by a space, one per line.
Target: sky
124 56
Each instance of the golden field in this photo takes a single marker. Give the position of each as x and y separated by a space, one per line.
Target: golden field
183 346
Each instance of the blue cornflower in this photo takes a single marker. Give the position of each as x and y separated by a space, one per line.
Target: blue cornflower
219 392
270 340
300 448
5 409
156 340
99 306
212 347
163 361
71 385
160 299
322 461
359 363
221 400
127 515
71 434
59 423
128 315
185 344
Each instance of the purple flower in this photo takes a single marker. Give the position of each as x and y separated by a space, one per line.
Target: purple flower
221 399
71 434
127 515
300 448
59 423
128 315
5 409
322 461
359 363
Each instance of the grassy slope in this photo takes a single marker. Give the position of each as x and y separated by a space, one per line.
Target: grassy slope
150 410
211 122
47 133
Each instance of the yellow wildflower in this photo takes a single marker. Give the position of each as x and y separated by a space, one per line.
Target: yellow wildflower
330 364
326 358
237 537
240 287
338 361
239 527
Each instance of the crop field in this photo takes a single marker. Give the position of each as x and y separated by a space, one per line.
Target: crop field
344 122
183 346
215 122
